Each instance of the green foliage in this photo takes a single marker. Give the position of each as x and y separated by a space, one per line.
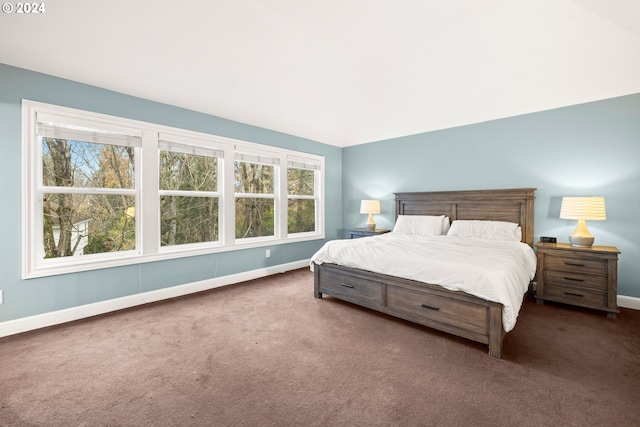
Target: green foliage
300 182
99 243
192 218
187 172
255 216
93 223
301 216
188 220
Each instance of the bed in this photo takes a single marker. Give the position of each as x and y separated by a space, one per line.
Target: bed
453 311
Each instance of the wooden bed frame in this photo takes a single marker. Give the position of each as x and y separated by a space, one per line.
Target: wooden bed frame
454 312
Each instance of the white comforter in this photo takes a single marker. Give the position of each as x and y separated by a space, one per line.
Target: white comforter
497 271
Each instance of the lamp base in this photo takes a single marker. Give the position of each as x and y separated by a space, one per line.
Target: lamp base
583 242
370 225
581 236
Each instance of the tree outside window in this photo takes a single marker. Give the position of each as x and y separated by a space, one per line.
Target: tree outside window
301 216
90 180
255 200
188 198
84 210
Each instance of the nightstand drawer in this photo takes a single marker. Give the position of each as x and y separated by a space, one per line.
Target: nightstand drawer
575 279
577 296
577 265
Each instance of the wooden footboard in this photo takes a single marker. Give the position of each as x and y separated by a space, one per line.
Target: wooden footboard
454 312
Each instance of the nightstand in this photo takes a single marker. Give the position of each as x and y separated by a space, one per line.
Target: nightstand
586 277
355 233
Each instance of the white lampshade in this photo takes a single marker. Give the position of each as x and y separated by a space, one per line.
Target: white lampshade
588 208
370 207
582 209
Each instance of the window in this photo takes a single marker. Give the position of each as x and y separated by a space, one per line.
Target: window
302 194
101 191
87 188
189 197
254 189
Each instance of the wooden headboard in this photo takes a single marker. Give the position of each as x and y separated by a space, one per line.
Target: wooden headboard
515 205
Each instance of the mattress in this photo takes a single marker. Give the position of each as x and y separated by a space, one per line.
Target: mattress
493 270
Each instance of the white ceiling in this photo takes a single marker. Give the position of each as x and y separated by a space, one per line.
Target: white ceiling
342 72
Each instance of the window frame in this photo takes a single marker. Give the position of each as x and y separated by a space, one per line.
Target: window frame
183 144
304 164
147 193
266 159
108 134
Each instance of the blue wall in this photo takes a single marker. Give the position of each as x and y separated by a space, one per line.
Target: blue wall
30 297
588 149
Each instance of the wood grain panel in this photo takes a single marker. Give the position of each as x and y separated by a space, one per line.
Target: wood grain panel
512 205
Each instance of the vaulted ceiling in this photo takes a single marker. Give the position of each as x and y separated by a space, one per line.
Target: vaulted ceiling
342 72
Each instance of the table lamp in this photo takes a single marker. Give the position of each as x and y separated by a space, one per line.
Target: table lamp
370 207
582 209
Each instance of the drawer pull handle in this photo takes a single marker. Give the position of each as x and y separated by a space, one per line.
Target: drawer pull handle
574 279
346 285
429 307
573 294
574 264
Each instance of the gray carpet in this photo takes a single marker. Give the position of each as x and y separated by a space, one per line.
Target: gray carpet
266 353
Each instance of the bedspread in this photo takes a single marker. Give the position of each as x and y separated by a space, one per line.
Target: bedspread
498 271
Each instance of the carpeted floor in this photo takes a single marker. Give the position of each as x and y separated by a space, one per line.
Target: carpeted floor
266 353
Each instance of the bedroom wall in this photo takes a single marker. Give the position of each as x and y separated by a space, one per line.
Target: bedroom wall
588 149
24 298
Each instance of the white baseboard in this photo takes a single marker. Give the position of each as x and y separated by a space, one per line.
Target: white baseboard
30 323
629 302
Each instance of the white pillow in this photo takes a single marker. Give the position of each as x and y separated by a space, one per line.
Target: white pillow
446 224
490 230
422 225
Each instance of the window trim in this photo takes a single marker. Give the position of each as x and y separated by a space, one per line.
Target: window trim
196 147
301 164
148 247
270 161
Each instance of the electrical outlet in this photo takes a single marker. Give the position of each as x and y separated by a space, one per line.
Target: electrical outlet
268 253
